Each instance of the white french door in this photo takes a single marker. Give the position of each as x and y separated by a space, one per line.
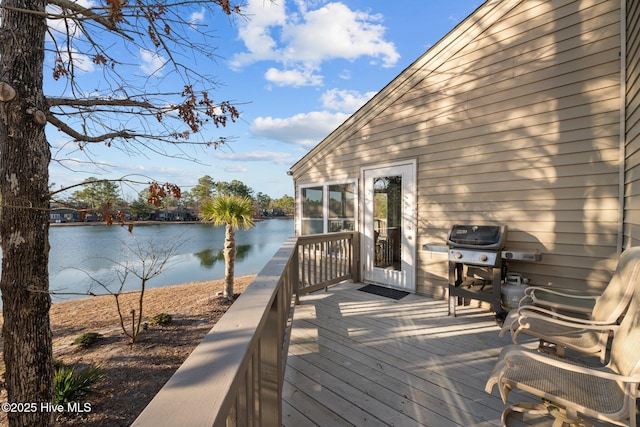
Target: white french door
389 225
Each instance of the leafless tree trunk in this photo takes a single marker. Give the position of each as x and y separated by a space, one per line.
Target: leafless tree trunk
24 218
169 117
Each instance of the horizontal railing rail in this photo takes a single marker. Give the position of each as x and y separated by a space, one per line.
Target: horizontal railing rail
235 376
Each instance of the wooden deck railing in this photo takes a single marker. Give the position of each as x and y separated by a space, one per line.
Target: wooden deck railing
327 259
235 376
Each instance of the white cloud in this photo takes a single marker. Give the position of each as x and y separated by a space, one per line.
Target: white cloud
256 32
295 78
235 168
302 129
345 100
152 63
345 74
60 27
309 129
304 39
80 61
67 33
258 156
196 17
335 31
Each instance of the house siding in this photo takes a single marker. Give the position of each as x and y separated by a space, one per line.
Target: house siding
632 147
517 124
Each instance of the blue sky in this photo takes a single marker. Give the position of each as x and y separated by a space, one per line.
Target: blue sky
297 69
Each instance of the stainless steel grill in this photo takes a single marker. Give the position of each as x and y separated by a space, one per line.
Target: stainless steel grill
475 264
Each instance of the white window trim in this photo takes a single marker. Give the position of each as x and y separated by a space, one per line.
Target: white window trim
325 202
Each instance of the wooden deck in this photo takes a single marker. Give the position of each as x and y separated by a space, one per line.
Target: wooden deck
364 360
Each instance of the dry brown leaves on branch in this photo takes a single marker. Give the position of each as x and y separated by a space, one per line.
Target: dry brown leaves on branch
158 192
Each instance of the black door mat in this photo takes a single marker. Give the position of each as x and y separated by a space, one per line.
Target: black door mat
384 292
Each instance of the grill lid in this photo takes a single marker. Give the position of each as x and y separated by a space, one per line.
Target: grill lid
477 236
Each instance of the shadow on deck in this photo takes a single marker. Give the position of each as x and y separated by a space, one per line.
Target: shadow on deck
359 359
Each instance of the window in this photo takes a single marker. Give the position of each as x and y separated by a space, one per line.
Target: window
341 208
328 208
312 207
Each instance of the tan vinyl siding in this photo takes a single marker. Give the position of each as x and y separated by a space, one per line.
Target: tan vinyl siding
539 159
519 125
632 149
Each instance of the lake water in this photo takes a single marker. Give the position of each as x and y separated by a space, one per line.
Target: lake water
82 256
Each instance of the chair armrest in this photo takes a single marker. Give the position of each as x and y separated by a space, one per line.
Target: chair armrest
559 299
605 372
570 322
531 290
541 312
512 321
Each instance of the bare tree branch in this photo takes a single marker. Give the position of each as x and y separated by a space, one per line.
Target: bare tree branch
113 36
75 102
63 127
80 12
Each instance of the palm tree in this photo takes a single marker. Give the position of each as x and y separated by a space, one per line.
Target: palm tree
234 212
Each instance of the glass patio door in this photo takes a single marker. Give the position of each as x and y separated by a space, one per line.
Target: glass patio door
389 226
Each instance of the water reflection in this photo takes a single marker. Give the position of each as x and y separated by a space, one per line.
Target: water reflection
208 257
80 253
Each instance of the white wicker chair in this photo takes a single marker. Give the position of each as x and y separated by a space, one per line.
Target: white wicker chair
587 335
571 390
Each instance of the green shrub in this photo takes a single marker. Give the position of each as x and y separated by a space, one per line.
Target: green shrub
161 319
71 383
87 339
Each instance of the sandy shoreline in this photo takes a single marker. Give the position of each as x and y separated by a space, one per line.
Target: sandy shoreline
155 298
134 373
99 312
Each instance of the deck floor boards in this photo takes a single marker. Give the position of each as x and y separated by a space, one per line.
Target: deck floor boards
357 359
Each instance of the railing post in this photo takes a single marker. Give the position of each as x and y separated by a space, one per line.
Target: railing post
270 368
294 272
355 257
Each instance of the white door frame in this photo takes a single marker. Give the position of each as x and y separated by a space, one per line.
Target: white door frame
405 278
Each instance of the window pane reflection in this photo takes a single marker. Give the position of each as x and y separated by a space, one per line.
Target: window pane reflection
341 207
312 202
387 222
